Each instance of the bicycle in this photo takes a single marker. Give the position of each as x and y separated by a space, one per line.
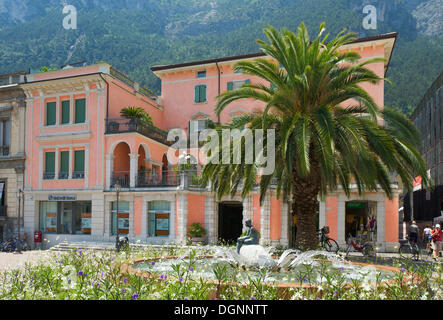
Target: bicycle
327 243
409 249
360 245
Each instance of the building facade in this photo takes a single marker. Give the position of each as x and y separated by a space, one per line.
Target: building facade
79 147
428 117
12 151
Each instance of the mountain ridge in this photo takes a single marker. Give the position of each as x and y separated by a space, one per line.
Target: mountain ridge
134 35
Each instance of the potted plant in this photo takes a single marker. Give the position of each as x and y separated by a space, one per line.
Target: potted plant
197 233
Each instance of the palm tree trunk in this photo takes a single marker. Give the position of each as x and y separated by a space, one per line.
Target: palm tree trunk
305 206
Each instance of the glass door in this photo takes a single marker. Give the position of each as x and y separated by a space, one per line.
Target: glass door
65 226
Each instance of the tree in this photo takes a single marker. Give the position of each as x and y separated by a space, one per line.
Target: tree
320 145
137 113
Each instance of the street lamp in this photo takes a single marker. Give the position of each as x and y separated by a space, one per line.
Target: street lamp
117 188
19 196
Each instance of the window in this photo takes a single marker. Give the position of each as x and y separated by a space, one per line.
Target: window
79 164
200 93
158 218
3 198
49 166
50 113
234 85
201 74
64 165
65 112
80 111
123 217
65 217
5 132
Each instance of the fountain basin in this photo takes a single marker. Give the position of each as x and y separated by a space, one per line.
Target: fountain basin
281 279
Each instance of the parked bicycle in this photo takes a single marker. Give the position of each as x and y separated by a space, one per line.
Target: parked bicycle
409 249
327 243
360 244
11 245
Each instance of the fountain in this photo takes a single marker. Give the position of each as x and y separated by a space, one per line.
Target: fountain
250 260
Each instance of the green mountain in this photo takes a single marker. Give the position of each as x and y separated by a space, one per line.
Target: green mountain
134 35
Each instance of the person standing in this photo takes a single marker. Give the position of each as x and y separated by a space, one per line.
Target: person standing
413 232
437 235
427 238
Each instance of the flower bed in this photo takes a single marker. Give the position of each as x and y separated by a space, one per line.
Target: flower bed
88 275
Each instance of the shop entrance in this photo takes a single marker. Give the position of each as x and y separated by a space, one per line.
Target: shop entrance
358 219
230 221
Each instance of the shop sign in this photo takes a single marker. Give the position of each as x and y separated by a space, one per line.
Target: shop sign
355 205
62 197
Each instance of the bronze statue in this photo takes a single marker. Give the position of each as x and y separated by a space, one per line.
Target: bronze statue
251 237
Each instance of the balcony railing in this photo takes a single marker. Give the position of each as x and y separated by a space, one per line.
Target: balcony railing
151 179
63 175
122 177
4 151
3 211
124 125
48 175
78 175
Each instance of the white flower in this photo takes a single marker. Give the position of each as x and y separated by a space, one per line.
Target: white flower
366 286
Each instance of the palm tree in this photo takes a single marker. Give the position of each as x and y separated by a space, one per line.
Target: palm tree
320 145
136 113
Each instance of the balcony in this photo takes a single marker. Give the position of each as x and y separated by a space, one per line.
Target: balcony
124 125
151 179
122 177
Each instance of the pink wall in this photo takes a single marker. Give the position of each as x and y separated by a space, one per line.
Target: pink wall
275 226
391 220
196 209
256 211
138 205
122 96
331 216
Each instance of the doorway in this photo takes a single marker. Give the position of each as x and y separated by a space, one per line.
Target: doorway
358 215
230 221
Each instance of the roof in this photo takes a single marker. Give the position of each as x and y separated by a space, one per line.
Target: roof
262 54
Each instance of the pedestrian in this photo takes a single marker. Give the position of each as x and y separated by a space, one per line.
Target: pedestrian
413 232
427 238
437 235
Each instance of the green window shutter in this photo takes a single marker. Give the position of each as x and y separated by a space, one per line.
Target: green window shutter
203 93
80 110
247 81
79 161
65 112
50 162
197 94
273 86
50 113
64 161
230 86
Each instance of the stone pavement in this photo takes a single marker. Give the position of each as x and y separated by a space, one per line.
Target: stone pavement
10 260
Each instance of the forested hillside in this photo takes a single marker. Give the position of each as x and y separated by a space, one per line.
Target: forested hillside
134 35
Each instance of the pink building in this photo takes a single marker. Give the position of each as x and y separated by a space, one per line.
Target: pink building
78 147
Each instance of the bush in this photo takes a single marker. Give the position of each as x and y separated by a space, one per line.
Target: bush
196 230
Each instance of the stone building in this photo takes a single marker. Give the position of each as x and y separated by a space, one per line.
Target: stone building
428 117
12 150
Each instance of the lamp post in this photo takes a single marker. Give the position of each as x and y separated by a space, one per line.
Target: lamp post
19 196
117 188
